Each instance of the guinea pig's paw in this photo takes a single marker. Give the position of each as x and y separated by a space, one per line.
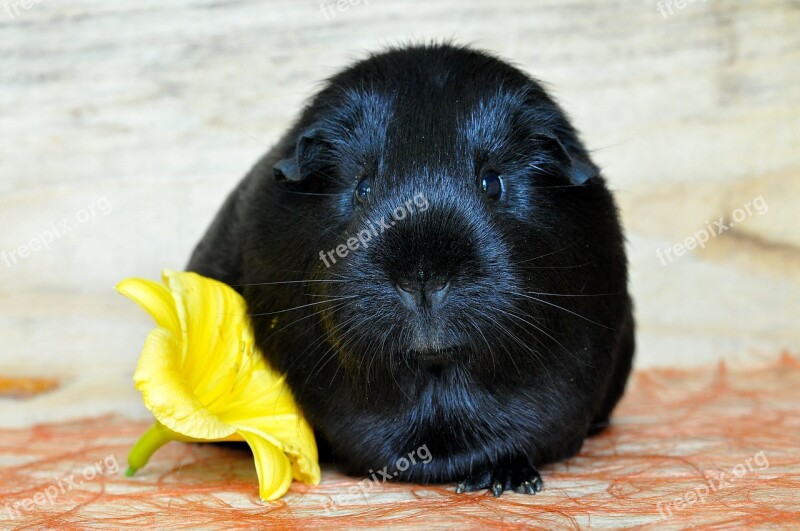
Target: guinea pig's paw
529 481
521 479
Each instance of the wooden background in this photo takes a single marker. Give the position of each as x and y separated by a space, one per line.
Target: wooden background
149 112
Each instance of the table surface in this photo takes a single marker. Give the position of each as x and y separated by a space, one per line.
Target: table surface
715 447
130 121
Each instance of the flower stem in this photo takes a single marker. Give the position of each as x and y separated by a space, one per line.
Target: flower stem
154 438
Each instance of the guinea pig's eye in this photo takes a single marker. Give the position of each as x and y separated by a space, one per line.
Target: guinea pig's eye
492 184
363 188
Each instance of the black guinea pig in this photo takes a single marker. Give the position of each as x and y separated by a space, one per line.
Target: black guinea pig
435 263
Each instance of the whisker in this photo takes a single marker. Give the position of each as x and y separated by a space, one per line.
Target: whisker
547 254
314 371
311 281
488 346
573 294
557 267
260 349
394 378
317 342
515 338
561 308
548 335
336 306
312 193
383 347
303 306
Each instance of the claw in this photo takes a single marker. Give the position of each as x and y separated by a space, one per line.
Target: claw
497 489
537 483
523 480
526 487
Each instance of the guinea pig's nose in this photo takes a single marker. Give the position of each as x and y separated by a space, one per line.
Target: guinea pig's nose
431 291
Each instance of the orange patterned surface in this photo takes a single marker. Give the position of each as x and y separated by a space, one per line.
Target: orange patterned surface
25 387
712 447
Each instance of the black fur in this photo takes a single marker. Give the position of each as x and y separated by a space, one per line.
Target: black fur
529 346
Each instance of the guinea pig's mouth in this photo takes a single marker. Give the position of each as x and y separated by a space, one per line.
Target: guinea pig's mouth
433 357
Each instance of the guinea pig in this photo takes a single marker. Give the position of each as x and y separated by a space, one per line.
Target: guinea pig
435 263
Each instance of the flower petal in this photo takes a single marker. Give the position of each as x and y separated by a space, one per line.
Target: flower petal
159 376
155 299
215 334
301 447
295 438
272 466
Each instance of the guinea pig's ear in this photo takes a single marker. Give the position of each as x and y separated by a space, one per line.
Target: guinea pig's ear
308 158
579 168
285 170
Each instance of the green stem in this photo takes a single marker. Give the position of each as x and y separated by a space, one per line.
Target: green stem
154 438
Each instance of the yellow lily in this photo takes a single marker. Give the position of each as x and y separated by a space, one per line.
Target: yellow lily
204 380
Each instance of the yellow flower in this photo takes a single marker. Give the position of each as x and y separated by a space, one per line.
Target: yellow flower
204 379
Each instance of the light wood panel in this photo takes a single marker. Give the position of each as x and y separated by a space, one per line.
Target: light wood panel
158 108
